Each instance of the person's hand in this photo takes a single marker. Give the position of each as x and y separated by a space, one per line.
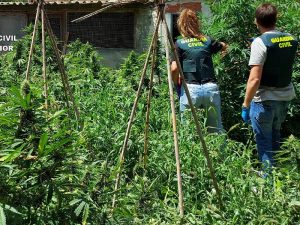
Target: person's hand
180 78
246 114
249 42
224 49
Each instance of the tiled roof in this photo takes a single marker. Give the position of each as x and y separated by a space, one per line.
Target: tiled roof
65 2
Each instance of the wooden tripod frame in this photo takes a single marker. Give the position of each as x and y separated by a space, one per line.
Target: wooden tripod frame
64 78
161 19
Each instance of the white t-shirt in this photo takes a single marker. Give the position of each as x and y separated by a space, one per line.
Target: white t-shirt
258 57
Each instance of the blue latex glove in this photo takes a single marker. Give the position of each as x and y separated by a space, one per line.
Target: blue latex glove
246 114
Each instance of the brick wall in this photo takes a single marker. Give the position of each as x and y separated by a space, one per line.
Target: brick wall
175 8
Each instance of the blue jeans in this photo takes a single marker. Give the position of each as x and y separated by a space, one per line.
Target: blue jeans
206 96
266 119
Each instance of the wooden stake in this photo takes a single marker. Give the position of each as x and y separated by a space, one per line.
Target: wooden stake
124 148
64 51
198 128
32 39
146 136
57 55
44 58
179 181
64 77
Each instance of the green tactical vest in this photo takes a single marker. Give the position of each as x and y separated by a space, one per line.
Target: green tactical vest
195 58
281 51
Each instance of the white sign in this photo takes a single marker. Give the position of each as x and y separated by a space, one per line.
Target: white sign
6 42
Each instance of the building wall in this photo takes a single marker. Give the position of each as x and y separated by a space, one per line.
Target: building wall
143 30
176 5
14 18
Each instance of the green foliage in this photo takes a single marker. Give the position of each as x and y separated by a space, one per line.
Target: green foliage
55 174
2 216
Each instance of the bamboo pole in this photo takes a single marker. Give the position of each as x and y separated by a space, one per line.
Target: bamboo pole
198 128
125 143
146 133
93 13
32 40
179 179
64 51
64 78
54 47
44 57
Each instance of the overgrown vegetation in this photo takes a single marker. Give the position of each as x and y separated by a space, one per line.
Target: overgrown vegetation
54 174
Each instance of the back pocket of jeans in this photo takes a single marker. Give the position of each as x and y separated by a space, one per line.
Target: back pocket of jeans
189 66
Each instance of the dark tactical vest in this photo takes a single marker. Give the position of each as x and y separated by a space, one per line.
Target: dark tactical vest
196 61
281 51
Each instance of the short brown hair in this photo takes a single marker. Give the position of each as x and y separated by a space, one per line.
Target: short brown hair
266 15
188 24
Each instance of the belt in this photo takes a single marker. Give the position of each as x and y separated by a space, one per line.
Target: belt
201 82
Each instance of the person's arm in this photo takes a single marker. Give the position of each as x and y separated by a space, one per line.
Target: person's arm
174 67
252 84
257 60
217 46
175 72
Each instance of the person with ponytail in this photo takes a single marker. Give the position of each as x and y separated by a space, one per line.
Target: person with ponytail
195 52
